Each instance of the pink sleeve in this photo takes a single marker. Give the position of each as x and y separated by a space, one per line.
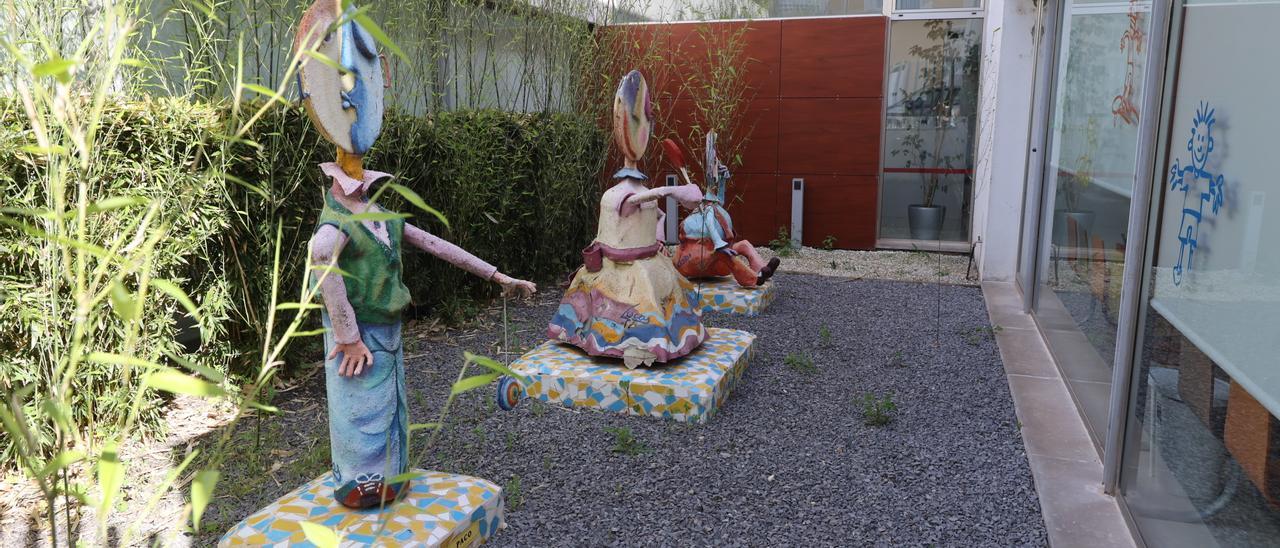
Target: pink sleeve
625 208
325 247
457 256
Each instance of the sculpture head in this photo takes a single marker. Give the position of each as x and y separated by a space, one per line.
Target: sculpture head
345 105
632 114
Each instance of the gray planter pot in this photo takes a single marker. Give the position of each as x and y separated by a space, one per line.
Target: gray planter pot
925 221
1084 227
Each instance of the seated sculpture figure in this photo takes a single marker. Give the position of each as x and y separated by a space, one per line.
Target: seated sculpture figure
364 363
709 248
627 300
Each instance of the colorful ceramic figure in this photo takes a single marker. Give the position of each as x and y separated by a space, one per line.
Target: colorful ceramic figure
364 364
708 245
627 301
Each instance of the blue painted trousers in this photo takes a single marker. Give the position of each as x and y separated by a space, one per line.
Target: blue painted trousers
368 418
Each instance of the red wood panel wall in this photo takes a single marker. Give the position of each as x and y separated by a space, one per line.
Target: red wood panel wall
816 109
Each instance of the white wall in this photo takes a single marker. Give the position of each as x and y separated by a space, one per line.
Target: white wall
1003 108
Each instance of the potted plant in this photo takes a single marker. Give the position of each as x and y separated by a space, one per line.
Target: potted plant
1072 186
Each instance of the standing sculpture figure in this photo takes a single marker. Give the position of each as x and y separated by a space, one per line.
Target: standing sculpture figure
364 363
708 245
627 301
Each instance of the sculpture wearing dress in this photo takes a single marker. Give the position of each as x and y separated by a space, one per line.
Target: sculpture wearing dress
709 247
627 300
364 363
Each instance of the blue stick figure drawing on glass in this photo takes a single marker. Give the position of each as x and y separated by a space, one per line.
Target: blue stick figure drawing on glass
1184 178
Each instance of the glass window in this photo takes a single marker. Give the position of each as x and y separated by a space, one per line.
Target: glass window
908 5
1202 460
931 115
1090 165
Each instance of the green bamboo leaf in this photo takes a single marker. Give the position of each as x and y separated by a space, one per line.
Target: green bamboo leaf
63 460
264 407
265 91
109 358
117 202
376 32
170 380
207 372
247 185
171 289
319 535
492 365
413 198
110 477
201 493
410 475
298 306
332 269
45 151
423 426
472 383
57 67
58 413
326 61
310 333
122 302
377 216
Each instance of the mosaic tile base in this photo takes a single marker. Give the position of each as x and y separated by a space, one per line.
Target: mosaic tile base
440 509
690 389
725 295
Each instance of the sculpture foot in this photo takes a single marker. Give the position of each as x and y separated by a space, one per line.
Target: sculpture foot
635 357
370 492
768 270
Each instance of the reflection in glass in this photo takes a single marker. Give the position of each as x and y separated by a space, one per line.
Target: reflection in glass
906 5
1092 157
1202 456
931 114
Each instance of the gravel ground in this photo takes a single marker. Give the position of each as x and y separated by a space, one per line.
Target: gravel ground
907 266
788 460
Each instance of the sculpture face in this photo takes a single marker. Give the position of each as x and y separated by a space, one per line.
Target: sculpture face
631 116
345 107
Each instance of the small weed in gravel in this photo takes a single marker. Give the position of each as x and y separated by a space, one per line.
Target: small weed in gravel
825 334
877 411
829 243
800 363
511 441
974 336
625 442
538 408
515 496
897 359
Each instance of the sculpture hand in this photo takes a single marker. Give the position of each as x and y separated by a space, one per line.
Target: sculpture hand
688 193
355 357
512 287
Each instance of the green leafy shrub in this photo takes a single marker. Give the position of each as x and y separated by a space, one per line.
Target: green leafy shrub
158 150
877 410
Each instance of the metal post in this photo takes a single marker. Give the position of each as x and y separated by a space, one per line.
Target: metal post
797 211
672 225
1135 251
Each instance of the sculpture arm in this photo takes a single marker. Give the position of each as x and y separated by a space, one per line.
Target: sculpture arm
326 245
688 194
457 256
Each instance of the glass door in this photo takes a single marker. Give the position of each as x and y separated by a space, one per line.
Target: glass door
1201 464
1088 173
931 108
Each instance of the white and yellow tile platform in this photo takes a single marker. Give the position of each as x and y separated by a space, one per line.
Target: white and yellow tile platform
441 509
690 389
725 295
